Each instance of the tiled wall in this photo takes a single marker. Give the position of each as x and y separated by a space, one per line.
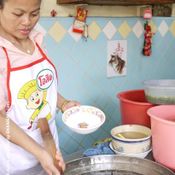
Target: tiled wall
82 66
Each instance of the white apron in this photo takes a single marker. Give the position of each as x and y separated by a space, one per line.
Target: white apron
32 94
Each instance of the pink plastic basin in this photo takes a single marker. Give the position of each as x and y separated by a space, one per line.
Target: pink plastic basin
133 107
163 134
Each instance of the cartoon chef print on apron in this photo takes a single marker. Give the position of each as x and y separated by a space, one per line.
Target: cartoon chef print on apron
35 93
32 95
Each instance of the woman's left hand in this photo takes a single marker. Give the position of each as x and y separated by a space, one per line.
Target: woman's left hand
69 104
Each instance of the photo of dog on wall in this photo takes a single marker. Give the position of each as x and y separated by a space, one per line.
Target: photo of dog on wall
116 60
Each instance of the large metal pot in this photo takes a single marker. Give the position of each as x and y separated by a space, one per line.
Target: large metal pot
115 165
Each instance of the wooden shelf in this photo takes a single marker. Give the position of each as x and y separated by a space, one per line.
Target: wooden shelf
116 2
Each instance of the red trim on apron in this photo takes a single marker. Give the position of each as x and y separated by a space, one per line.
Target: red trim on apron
28 65
44 55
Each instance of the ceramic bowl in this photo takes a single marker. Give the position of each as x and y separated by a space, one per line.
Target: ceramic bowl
139 155
131 139
83 119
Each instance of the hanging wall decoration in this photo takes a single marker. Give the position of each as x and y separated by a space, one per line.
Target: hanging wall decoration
147 33
80 20
79 25
116 61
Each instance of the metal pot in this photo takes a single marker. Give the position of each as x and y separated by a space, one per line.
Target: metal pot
115 165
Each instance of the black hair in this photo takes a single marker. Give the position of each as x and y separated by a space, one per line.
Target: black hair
1 3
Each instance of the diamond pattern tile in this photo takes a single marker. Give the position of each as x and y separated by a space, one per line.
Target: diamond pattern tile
94 30
163 28
57 32
138 29
124 29
172 28
109 30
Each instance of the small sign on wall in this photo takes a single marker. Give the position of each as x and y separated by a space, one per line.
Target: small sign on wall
116 58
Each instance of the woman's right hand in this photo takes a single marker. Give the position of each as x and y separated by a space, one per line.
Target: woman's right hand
47 163
59 162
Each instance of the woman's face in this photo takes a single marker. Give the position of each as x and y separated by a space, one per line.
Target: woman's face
18 17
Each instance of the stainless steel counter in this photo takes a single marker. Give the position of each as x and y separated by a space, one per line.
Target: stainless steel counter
115 165
39 171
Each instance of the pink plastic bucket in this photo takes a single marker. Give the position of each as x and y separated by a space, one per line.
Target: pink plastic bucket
133 107
163 134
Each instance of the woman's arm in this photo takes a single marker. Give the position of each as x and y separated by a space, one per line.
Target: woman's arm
64 104
49 144
15 134
61 101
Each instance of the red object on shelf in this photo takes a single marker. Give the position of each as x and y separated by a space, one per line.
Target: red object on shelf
133 107
80 20
147 13
53 13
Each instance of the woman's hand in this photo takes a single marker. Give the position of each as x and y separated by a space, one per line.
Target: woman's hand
59 162
63 104
68 104
56 161
47 163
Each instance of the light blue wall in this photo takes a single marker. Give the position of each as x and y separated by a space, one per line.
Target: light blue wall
82 71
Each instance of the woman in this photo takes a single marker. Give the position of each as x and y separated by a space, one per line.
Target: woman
28 84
